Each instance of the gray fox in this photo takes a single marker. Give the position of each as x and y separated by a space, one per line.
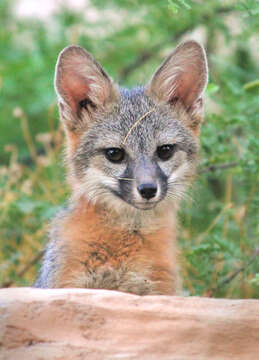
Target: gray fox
131 155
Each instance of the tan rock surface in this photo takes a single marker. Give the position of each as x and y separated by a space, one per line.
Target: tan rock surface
97 324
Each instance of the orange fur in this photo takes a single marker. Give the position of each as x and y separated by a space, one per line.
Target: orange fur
89 242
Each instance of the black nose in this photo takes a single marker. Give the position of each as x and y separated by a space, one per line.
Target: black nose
147 191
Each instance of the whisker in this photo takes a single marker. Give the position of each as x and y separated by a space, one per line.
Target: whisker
122 178
179 196
178 189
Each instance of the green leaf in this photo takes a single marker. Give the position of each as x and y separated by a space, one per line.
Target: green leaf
255 280
27 206
252 85
185 4
212 89
173 6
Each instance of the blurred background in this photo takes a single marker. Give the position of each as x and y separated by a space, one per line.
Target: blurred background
219 224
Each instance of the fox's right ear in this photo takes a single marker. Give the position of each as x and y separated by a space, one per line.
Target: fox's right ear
82 86
182 77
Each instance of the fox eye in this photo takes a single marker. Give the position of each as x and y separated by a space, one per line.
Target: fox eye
115 155
165 152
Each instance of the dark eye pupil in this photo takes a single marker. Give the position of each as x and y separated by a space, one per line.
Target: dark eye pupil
165 152
115 155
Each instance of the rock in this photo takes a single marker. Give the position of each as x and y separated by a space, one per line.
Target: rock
98 325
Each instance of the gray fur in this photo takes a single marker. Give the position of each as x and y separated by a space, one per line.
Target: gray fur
163 126
53 253
104 119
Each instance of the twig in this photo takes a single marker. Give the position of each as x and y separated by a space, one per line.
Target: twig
148 54
212 168
19 113
229 278
136 123
141 59
25 268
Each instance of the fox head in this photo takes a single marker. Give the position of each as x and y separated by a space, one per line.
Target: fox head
132 148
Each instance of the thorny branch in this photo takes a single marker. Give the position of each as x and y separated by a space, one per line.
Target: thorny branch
229 278
147 54
223 166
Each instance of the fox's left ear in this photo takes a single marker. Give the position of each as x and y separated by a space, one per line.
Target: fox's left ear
183 77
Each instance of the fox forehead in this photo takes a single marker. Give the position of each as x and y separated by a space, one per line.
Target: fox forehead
121 126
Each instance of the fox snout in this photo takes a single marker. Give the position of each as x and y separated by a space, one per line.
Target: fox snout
146 180
147 190
147 186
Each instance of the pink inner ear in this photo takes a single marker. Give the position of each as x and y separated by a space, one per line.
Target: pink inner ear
187 86
75 89
183 75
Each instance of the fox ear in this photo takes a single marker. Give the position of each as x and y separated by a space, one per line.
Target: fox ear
182 76
82 86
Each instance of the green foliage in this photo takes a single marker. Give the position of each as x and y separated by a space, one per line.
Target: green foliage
219 229
174 6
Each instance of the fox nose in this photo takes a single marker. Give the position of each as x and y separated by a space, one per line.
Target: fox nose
147 191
